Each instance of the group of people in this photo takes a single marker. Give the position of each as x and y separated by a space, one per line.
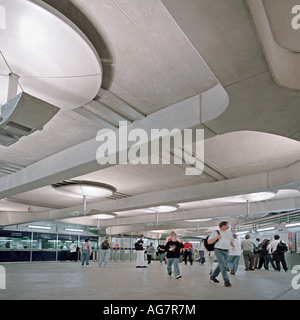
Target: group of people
258 254
86 251
226 249
172 249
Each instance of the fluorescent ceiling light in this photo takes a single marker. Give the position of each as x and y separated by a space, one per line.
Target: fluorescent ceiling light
200 220
292 224
74 230
266 229
242 232
40 227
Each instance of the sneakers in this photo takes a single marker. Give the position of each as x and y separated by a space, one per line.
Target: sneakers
227 284
177 277
215 280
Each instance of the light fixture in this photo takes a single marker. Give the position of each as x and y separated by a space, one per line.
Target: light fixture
292 225
82 188
103 216
53 58
200 220
242 232
39 227
73 230
266 229
164 208
251 197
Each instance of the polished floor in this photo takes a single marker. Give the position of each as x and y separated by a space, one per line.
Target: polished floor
122 281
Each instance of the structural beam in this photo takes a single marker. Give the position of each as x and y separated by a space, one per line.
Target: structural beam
267 181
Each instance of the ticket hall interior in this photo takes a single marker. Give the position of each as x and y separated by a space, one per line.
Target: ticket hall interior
121 118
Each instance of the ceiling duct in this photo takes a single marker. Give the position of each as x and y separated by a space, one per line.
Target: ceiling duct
23 115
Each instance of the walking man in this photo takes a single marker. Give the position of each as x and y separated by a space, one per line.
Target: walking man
139 247
105 248
222 239
173 248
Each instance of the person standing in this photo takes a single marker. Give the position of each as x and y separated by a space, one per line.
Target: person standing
73 252
234 255
86 252
247 247
173 248
105 249
188 252
278 247
161 252
266 254
139 247
201 249
150 252
222 239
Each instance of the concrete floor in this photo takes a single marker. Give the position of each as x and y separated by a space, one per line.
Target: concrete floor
122 281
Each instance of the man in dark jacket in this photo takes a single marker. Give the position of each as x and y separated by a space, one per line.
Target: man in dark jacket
140 263
173 248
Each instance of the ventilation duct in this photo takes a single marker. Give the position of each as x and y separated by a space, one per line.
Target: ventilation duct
23 115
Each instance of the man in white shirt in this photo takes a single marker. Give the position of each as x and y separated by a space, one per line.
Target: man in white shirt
234 255
277 256
73 252
223 240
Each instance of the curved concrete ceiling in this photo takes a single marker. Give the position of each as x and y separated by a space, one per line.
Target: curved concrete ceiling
280 43
167 64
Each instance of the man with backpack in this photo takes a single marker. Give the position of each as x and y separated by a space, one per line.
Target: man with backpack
278 248
221 240
105 248
139 247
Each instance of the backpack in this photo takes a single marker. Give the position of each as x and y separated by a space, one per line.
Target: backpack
210 247
105 245
138 245
281 247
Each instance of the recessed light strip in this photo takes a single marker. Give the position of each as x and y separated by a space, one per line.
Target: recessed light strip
74 230
292 224
266 229
39 227
242 232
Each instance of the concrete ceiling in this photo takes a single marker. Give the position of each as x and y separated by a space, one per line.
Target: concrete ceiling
203 64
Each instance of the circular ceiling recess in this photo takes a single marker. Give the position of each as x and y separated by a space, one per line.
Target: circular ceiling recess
80 188
52 57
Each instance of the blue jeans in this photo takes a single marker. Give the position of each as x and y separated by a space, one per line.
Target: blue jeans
170 262
85 256
233 263
161 257
222 256
202 257
104 255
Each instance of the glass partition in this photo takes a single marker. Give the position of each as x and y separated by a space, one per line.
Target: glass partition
64 241
15 240
44 241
